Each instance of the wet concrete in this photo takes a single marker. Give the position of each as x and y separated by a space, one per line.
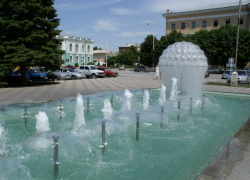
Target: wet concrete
232 163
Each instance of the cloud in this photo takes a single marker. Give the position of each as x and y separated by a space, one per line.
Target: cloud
121 11
105 25
83 5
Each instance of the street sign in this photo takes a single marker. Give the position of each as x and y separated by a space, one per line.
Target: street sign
230 60
230 65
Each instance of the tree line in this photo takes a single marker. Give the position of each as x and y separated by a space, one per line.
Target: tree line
217 44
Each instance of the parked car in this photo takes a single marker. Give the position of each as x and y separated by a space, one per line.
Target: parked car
72 73
108 72
36 75
121 67
14 78
70 66
226 73
243 77
61 75
141 68
213 70
90 71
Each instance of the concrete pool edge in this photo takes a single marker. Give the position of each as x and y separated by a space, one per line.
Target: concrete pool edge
232 161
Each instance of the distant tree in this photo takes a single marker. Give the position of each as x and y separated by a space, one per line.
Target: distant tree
96 48
27 35
147 52
76 65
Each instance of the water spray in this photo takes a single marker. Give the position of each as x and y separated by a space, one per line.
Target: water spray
137 126
103 137
55 155
61 112
179 106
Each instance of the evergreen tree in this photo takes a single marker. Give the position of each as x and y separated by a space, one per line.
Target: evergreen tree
28 35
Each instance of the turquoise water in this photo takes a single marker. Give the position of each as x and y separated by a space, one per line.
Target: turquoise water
179 150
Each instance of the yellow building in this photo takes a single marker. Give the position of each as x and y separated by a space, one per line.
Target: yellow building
211 17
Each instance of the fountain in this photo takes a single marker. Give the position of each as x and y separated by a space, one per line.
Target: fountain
107 110
145 100
186 62
162 95
138 137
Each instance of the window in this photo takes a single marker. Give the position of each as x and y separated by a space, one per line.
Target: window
228 21
77 58
82 48
173 26
182 25
88 49
86 68
204 24
88 59
215 24
70 47
241 20
70 59
82 58
77 48
193 25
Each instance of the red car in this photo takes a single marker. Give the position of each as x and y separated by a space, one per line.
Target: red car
70 66
108 72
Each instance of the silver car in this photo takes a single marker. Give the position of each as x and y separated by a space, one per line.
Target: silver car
243 77
61 75
226 73
72 73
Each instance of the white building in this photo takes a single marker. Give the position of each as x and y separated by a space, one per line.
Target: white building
100 56
77 50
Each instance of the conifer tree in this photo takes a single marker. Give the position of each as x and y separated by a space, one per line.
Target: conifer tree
27 35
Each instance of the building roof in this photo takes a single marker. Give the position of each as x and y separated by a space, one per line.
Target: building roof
211 8
225 5
103 51
73 37
129 45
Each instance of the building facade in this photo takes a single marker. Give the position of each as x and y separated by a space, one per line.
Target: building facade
126 47
77 50
211 17
100 56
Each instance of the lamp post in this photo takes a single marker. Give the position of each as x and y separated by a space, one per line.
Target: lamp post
153 43
106 51
237 38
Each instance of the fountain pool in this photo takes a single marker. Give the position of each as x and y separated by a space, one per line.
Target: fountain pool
176 150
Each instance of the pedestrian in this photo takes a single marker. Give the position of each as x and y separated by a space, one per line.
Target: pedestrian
157 72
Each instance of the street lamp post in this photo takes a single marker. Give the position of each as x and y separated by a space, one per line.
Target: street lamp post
153 43
237 37
106 51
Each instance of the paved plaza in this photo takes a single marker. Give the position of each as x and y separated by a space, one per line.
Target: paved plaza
220 168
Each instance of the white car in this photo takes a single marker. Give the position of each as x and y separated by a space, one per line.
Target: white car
90 71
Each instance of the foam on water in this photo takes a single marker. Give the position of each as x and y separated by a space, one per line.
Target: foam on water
162 95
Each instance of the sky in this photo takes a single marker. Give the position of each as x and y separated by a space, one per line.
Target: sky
120 22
